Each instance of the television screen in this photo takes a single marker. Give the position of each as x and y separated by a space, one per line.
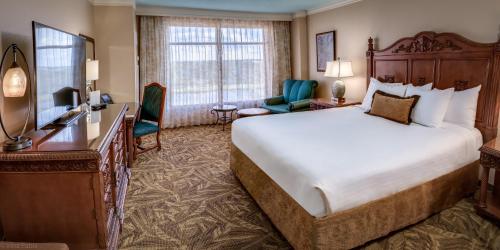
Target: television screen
59 73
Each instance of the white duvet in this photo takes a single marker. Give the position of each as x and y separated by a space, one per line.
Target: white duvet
335 159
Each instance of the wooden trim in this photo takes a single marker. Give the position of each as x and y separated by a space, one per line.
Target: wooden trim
332 6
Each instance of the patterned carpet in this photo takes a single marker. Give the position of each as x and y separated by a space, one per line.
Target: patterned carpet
186 197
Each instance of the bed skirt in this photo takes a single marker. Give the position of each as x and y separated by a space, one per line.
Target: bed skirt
356 226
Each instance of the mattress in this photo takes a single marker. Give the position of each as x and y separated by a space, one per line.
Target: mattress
336 159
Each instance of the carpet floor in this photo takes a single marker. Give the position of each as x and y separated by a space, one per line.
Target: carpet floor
186 197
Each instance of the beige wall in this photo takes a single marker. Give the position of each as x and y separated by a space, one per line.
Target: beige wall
300 62
389 20
116 52
74 16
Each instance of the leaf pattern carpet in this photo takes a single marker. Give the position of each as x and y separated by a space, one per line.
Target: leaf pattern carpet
186 197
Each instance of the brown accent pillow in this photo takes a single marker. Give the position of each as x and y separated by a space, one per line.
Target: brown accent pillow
393 107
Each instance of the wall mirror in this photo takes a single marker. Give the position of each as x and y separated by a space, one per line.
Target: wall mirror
89 51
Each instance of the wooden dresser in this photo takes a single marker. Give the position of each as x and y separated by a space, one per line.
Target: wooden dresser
70 186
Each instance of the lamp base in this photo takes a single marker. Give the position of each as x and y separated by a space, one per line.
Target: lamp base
18 144
338 89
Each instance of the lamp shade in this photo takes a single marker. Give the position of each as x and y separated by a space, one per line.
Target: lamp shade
338 69
92 70
14 81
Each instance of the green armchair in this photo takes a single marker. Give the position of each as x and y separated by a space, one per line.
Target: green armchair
296 97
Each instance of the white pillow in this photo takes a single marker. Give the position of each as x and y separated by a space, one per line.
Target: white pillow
428 86
391 88
462 108
431 106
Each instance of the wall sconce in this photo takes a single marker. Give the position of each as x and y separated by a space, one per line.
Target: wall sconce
14 84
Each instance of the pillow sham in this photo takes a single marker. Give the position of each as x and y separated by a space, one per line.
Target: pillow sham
392 88
463 106
431 107
427 86
393 107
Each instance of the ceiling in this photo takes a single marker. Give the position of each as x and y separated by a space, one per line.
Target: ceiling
262 6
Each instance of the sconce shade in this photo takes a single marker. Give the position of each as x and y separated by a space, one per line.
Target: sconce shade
333 69
14 81
92 70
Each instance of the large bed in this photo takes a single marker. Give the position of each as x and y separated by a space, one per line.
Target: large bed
338 178
336 159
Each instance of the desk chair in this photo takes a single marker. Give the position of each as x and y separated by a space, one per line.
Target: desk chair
150 116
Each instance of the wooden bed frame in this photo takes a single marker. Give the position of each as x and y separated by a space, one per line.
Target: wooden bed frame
448 60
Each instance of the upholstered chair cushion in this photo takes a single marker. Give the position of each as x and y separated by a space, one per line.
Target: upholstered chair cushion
151 106
144 128
296 90
275 100
299 105
277 109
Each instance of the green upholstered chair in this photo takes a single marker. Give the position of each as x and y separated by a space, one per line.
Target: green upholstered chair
296 97
150 116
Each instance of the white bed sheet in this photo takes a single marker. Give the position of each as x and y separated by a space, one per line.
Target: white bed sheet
336 159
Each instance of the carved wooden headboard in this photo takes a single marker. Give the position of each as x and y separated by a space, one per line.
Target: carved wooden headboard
448 60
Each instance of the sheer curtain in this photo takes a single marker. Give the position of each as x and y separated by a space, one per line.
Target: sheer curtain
205 62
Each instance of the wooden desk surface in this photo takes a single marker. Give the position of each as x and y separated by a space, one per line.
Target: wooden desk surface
133 108
86 134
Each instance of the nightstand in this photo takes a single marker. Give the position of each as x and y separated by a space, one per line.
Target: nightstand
489 201
326 103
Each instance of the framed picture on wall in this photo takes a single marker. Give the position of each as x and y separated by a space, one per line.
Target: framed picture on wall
325 49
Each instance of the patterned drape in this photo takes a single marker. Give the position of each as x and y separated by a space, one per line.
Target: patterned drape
204 62
281 58
152 53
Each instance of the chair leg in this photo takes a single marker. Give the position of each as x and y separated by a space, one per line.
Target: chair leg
158 141
135 149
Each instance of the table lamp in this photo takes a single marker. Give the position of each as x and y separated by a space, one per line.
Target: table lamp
91 74
338 69
14 84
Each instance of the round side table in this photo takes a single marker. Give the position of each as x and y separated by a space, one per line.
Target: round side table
252 112
224 114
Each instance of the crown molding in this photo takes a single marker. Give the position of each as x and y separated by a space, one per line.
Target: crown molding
113 2
203 13
299 14
332 6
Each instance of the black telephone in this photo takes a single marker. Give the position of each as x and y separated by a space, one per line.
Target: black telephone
106 98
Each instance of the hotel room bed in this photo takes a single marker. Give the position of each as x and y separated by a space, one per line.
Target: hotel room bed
338 178
336 159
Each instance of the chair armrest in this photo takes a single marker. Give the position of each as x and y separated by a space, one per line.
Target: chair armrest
301 104
275 100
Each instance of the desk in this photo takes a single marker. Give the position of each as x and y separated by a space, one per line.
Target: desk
130 117
70 186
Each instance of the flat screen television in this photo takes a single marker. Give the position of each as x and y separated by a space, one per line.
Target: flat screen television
59 73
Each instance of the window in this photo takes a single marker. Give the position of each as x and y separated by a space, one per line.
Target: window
216 64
